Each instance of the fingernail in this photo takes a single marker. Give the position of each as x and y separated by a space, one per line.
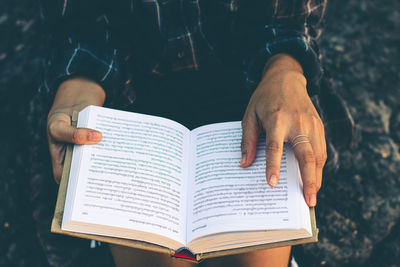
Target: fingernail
312 200
94 135
273 180
243 160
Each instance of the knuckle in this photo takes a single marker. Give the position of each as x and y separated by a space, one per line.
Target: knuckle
77 137
277 115
308 158
248 140
311 186
324 156
249 127
273 146
320 161
51 127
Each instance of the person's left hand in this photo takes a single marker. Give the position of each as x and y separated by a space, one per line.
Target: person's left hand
281 107
73 94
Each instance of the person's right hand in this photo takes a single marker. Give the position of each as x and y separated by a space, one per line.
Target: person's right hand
73 94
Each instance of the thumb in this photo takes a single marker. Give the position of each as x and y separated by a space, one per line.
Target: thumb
250 132
61 130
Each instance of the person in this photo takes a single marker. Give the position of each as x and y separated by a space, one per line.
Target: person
195 62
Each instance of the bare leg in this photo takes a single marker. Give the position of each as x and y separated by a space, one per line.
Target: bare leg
275 257
130 257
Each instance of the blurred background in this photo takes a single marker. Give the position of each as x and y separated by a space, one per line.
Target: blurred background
359 204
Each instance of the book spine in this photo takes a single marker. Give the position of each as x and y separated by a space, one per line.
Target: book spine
185 253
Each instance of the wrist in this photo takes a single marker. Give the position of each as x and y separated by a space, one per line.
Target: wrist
77 91
283 68
282 62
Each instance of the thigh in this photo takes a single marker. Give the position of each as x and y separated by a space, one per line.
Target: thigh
130 257
275 257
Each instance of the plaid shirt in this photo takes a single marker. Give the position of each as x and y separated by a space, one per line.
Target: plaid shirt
96 39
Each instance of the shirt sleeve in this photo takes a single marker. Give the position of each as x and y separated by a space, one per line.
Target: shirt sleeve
79 43
284 26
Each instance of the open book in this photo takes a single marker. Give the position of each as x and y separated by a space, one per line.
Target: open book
152 183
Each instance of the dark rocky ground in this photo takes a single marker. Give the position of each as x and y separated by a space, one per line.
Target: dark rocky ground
359 204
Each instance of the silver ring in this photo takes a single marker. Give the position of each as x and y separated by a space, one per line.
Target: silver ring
298 136
300 142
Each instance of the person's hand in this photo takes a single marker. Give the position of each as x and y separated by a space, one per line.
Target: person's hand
281 107
73 94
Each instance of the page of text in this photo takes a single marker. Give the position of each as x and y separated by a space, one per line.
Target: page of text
135 177
226 197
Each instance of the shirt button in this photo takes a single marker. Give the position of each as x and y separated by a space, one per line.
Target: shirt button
180 54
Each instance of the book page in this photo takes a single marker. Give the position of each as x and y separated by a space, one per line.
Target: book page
225 197
135 178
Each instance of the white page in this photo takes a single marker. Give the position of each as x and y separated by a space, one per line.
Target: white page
224 197
135 178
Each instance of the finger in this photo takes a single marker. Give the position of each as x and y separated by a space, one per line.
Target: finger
273 155
305 155
57 172
320 155
324 152
57 153
316 143
250 132
62 131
